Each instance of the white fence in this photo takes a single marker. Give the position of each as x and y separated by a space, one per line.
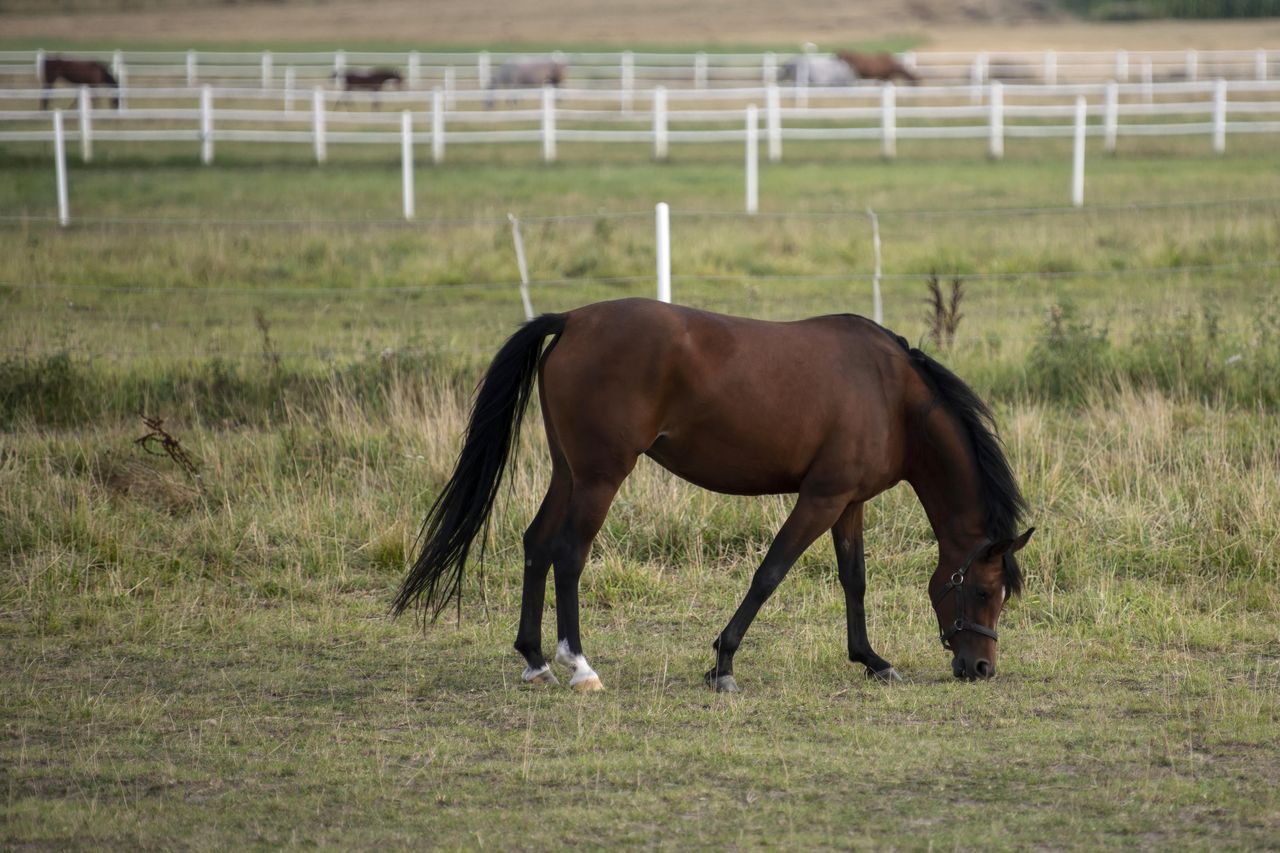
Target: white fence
657 118
628 70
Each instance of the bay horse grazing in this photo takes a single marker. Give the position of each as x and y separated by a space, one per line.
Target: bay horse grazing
369 81
833 409
878 66
80 72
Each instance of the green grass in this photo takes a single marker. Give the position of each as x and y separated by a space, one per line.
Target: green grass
207 661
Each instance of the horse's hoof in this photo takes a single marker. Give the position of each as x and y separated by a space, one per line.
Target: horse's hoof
590 684
723 684
540 676
888 676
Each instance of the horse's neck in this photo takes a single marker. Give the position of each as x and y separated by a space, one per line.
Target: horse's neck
941 468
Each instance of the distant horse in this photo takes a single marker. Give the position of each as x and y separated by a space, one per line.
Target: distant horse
80 72
877 66
834 409
524 72
368 81
817 71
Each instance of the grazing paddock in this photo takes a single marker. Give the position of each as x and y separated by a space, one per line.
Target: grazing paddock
206 660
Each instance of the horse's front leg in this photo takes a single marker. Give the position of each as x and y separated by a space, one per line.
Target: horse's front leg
852 568
811 515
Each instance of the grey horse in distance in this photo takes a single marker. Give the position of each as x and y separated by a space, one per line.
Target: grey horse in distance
524 72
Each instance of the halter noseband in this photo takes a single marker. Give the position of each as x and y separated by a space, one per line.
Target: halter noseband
957 583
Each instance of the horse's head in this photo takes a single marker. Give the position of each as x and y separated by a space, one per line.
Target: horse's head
968 598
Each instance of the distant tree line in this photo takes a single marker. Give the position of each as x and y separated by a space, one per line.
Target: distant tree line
1129 10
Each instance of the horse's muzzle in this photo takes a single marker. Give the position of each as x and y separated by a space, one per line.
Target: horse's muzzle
979 669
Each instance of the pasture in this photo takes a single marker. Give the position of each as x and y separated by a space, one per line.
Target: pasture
205 660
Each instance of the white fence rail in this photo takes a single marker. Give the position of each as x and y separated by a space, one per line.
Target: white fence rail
625 70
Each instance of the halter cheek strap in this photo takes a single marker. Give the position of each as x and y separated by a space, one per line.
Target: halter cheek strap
956 584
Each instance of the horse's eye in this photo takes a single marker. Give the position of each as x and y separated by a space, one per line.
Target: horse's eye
983 595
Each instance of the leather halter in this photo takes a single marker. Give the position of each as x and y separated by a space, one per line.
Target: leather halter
957 584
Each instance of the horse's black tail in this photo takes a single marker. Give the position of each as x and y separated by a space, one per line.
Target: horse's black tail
461 512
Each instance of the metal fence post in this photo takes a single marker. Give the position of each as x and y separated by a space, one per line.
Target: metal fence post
659 123
317 123
206 125
996 145
437 126
663 222
1077 158
1219 116
628 81
773 122
1111 118
406 161
548 124
753 159
86 125
60 168
888 122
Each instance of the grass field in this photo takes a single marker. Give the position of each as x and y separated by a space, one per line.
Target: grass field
206 661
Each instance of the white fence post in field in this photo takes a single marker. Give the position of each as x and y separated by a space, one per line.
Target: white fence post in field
802 82
978 76
290 81
1077 154
659 123
1260 64
482 70
1219 116
317 122
769 68
700 71
450 85
773 122
1122 66
206 124
663 221
753 159
995 147
524 269
122 85
628 80
40 66
437 126
877 306
60 168
888 122
267 69
339 62
1050 68
406 161
413 71
548 124
909 59
192 73
1147 94
1111 117
86 125
1193 62
117 62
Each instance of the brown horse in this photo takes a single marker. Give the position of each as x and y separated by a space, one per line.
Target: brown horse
877 66
369 81
834 409
81 72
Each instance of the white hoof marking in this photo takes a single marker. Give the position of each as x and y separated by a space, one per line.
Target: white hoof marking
584 677
541 675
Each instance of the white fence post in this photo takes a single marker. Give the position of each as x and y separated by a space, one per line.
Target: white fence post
1122 66
339 62
802 82
117 62
414 69
628 82
450 84
482 70
267 69
290 81
769 68
1219 116
659 123
317 122
1111 117
978 76
524 269
1050 68
206 124
700 71
877 306
773 122
60 168
753 159
1147 93
1077 158
86 125
437 126
1193 62
1260 64
663 220
996 145
406 161
40 66
888 122
909 59
192 73
122 85
548 124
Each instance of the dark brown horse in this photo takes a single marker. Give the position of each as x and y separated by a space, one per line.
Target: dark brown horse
369 81
834 409
877 66
80 72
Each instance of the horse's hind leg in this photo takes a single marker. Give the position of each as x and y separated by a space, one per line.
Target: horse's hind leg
811 516
852 568
539 541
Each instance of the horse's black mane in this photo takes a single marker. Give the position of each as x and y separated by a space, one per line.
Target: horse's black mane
1002 498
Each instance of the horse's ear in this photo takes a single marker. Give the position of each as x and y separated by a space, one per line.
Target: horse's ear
1008 546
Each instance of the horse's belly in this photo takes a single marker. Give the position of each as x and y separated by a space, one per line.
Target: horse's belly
726 467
